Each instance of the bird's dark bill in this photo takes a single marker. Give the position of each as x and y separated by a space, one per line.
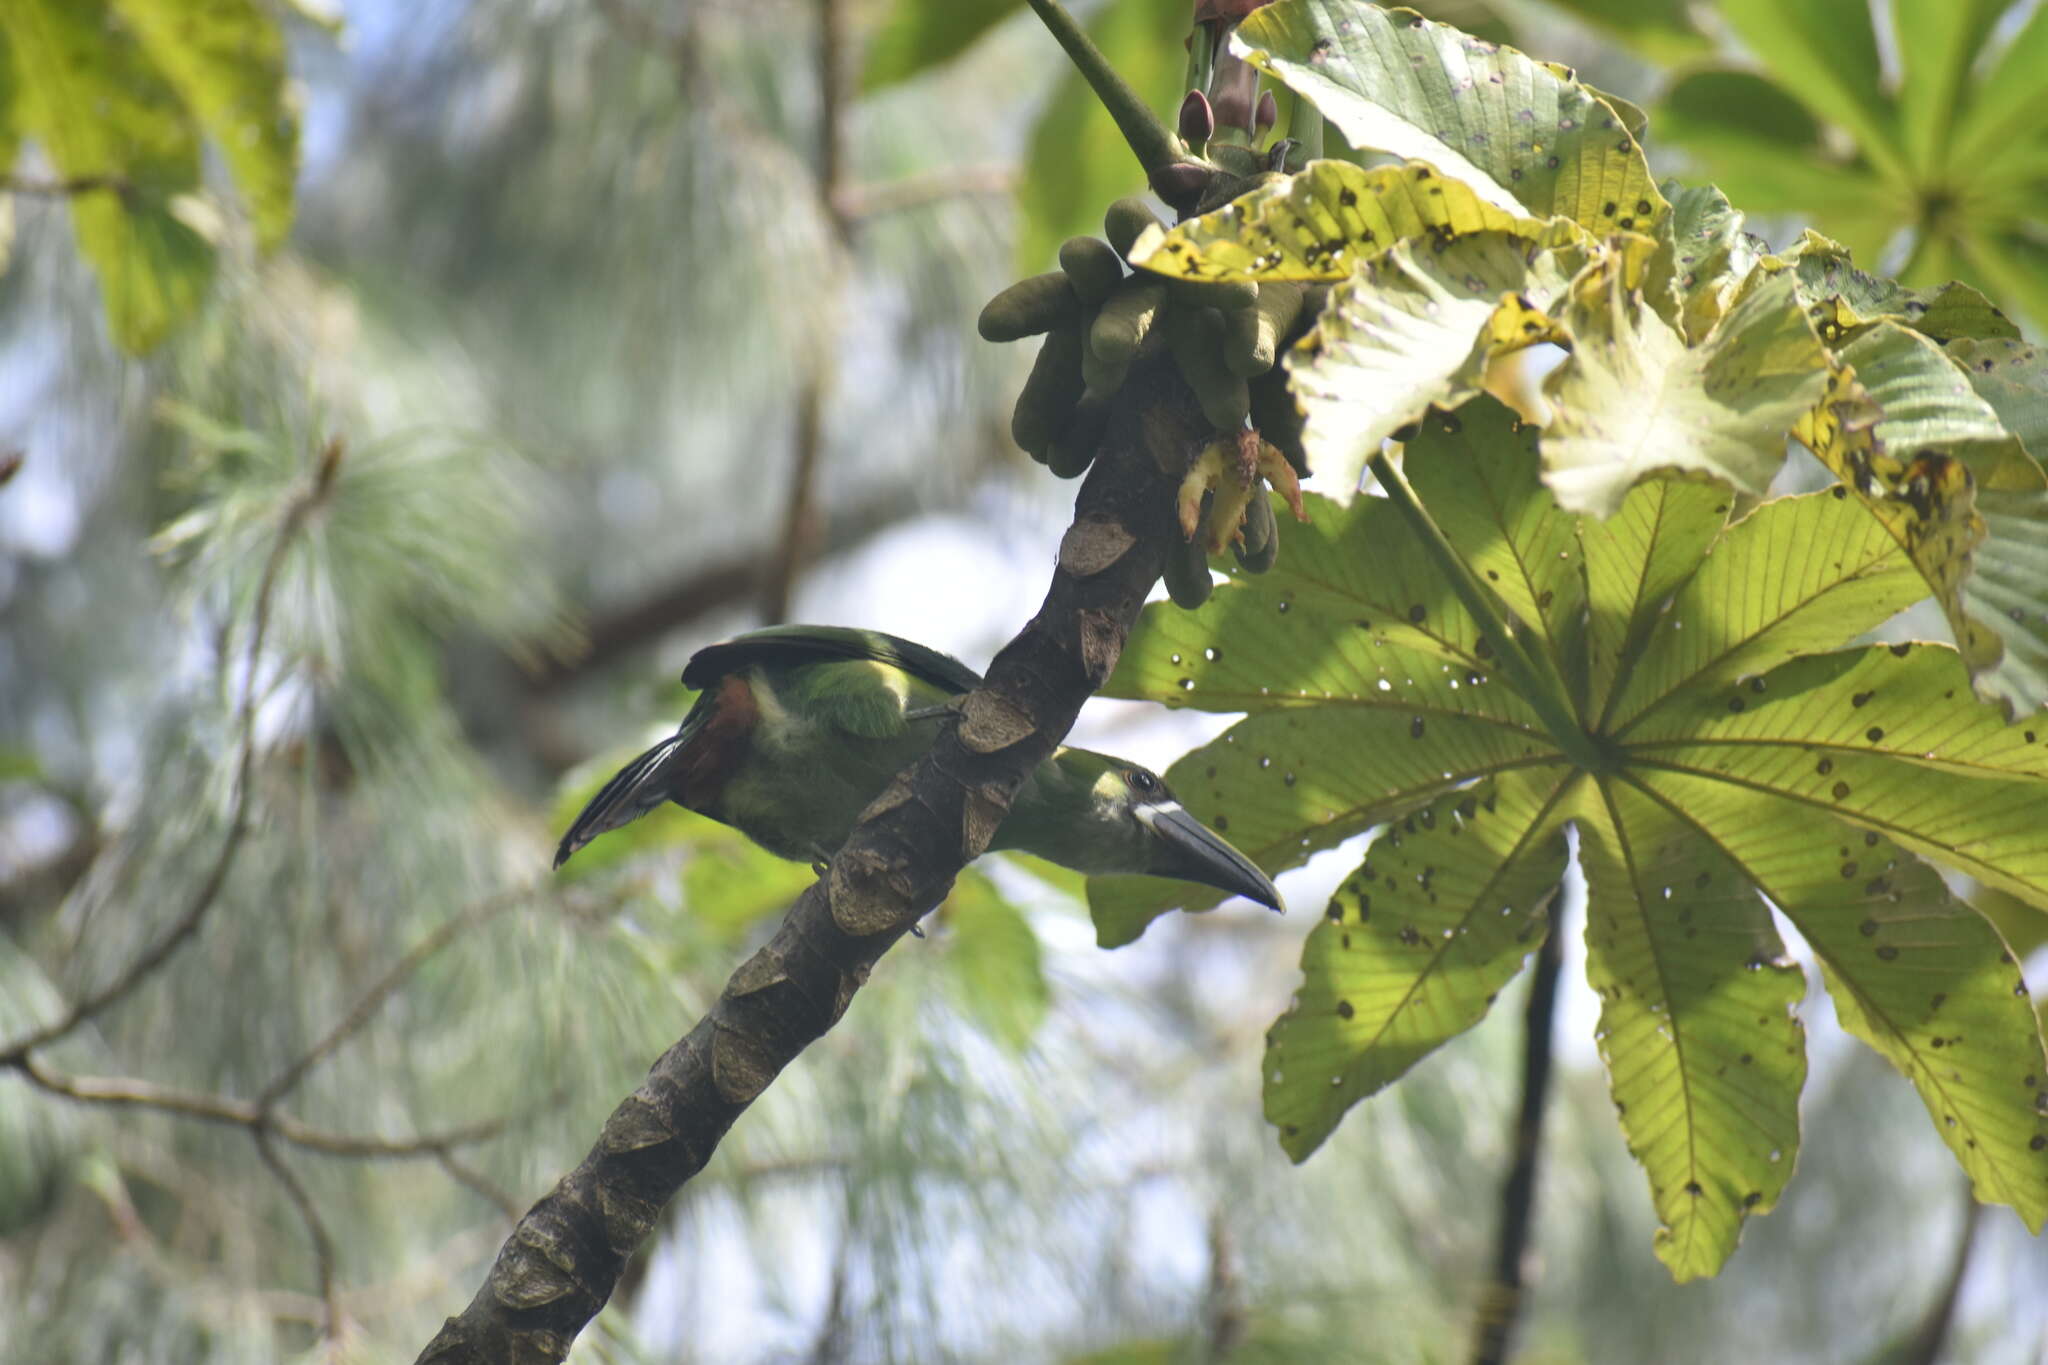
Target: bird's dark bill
1193 852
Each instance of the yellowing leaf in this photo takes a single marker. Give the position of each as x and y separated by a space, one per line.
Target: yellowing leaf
1323 221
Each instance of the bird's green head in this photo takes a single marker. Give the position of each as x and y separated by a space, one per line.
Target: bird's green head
1102 815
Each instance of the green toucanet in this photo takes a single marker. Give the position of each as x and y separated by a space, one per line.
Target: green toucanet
797 728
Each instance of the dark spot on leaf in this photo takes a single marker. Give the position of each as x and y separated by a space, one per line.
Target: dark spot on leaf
1840 790
1344 1010
1886 953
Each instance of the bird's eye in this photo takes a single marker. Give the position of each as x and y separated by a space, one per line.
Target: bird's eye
1143 781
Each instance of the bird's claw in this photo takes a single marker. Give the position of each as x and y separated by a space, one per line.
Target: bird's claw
1231 469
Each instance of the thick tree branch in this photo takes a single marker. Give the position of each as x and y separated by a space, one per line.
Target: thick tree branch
563 1260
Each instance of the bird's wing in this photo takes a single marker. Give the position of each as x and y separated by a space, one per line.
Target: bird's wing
789 646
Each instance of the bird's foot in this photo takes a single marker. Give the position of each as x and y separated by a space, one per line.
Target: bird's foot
1232 468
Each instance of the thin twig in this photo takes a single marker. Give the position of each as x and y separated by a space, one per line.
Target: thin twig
373 999
187 924
1224 1327
126 1092
316 1231
65 189
800 520
478 1183
931 187
1501 1304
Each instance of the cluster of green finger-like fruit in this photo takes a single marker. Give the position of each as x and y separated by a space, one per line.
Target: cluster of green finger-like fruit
1097 319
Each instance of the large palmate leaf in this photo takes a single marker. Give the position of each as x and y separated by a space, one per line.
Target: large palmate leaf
1526 135
1368 688
1633 399
1949 159
1664 29
1725 753
1704 1051
1795 576
1414 948
1883 744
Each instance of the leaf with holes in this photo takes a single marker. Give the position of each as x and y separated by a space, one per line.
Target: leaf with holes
1414 948
1798 574
1698 1022
1884 737
1634 400
1842 299
1634 561
1369 690
1913 972
1530 139
1909 435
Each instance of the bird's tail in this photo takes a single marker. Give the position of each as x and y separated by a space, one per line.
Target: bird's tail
634 790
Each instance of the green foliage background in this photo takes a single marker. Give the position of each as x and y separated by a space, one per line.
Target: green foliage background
550 274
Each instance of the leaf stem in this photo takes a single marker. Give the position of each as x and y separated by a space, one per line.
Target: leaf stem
1151 140
1538 686
1502 1304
